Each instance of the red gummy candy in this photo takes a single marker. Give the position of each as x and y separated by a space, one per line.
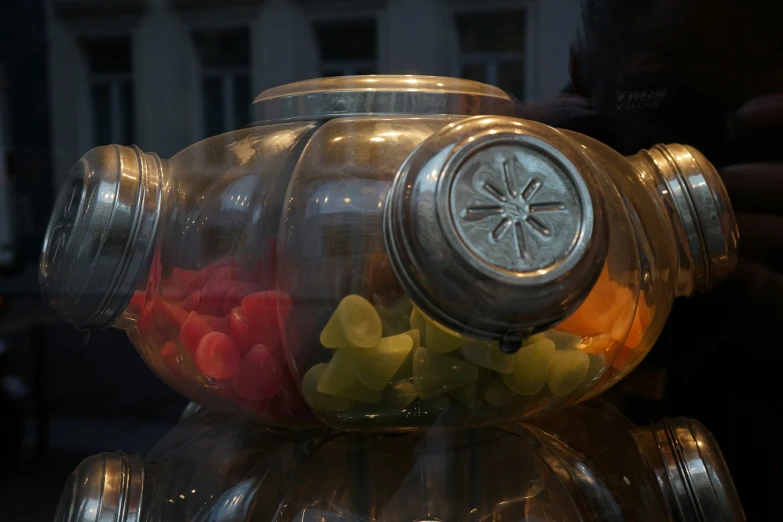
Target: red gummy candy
195 279
191 302
240 330
173 289
193 330
166 316
266 303
225 325
213 295
218 324
169 314
259 376
261 309
236 294
217 356
138 299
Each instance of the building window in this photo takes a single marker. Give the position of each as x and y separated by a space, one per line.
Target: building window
492 49
111 89
347 48
225 79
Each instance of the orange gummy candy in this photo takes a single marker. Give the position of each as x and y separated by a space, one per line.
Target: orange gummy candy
604 318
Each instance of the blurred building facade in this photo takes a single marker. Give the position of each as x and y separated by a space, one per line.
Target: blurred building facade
166 73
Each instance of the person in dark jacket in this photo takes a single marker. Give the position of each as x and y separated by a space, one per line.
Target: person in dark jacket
707 74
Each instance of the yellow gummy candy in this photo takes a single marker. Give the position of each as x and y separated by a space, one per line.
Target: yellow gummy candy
437 337
435 374
440 339
564 340
417 320
531 368
567 370
354 324
340 380
488 355
376 366
317 400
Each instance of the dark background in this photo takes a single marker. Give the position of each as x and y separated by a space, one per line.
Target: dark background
718 360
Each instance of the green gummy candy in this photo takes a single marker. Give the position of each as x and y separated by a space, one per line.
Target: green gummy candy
354 324
375 367
567 370
440 339
405 370
435 374
533 339
393 321
467 395
402 306
497 394
317 400
340 380
488 355
531 368
564 340
417 320
415 335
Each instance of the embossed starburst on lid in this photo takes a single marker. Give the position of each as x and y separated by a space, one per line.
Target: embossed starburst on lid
513 209
495 228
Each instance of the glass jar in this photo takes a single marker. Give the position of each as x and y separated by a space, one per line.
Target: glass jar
586 463
389 253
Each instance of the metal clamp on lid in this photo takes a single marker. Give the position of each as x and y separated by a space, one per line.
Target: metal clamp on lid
495 228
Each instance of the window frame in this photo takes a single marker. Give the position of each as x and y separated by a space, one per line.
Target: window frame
341 14
114 81
227 73
528 56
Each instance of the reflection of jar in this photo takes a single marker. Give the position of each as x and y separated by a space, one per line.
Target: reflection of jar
372 246
586 463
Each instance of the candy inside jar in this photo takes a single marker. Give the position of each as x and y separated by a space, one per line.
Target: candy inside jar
394 366
217 328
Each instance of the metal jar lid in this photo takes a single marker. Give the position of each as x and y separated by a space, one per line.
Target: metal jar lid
495 228
100 234
383 95
705 220
104 488
693 474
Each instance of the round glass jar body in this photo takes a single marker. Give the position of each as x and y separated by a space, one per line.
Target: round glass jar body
387 261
